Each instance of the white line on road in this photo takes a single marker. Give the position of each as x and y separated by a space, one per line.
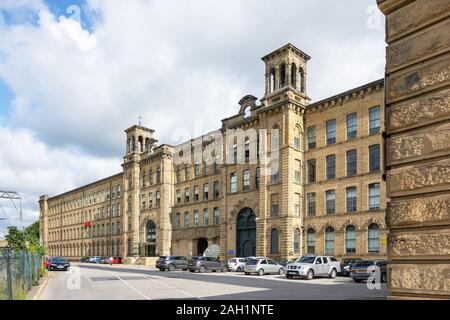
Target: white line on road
174 288
129 285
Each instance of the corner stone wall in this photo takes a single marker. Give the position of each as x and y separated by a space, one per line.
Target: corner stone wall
418 147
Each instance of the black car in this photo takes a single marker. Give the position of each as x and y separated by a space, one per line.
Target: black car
346 265
58 263
84 259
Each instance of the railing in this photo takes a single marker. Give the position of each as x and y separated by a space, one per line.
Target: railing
19 271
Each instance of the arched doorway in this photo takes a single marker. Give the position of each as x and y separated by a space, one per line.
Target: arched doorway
202 244
150 245
246 233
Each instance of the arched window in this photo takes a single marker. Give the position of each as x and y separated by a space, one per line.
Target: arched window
247 150
311 240
282 75
247 112
272 80
302 80
294 75
329 240
297 137
141 144
274 241
374 238
151 239
297 241
350 239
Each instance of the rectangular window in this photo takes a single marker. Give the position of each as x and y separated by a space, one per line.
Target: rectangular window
275 171
246 180
197 170
205 192
158 199
257 178
311 170
178 174
206 167
205 217
331 201
233 183
274 205
235 154
142 201
352 125
217 164
311 137
216 190
158 175
351 199
374 196
196 194
177 220
151 177
247 151
331 166
196 217
297 172
331 131
216 216
178 196
374 120
311 197
186 195
351 163
186 219
297 200
374 158
187 172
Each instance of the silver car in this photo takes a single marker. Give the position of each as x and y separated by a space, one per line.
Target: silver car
236 264
171 263
262 266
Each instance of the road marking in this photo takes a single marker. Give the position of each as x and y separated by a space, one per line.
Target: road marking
174 288
44 285
129 285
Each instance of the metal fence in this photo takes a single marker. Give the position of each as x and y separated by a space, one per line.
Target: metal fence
19 271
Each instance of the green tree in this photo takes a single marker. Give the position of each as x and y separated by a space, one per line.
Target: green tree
16 239
27 239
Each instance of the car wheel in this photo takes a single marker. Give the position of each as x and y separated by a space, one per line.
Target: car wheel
214 270
357 280
383 277
309 275
289 276
239 269
224 269
281 271
191 270
171 267
161 269
260 272
332 274
202 269
247 273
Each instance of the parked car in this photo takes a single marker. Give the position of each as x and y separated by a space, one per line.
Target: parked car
58 263
84 259
311 266
236 264
262 266
360 271
346 265
103 260
95 259
171 263
47 261
115 260
203 264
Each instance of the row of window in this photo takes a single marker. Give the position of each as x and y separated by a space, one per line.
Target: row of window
351 164
351 124
94 249
373 240
79 217
89 199
88 232
196 222
351 200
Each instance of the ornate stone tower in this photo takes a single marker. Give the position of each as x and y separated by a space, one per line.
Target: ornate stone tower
139 144
282 115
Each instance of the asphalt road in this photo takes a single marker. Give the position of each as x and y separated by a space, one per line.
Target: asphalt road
126 282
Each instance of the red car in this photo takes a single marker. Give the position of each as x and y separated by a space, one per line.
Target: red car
115 260
47 262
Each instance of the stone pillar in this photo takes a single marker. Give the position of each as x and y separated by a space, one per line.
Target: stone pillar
43 220
267 85
418 147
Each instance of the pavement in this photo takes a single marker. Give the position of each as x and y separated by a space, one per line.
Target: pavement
130 282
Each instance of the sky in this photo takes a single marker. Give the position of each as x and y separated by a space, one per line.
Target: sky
75 73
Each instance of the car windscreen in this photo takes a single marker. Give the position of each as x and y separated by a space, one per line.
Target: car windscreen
305 260
58 260
251 262
364 263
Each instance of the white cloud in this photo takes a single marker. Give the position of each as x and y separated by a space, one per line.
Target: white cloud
175 62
